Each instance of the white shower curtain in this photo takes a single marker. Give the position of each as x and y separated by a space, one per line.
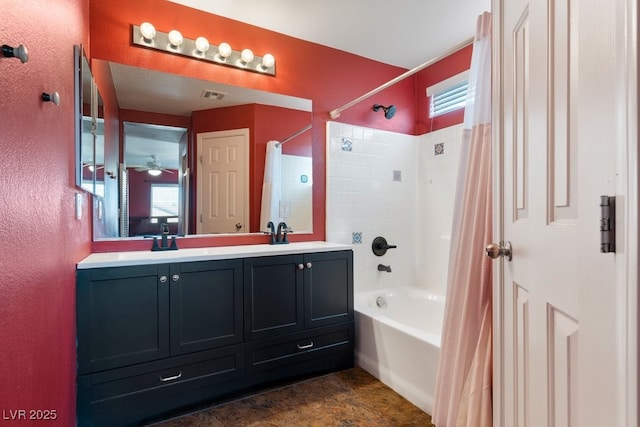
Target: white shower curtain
271 186
464 383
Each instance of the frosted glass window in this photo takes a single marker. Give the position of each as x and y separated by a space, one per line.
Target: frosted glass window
164 200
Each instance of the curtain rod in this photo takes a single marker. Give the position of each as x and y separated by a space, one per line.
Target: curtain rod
336 113
301 131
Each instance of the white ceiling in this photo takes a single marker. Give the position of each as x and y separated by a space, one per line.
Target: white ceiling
405 33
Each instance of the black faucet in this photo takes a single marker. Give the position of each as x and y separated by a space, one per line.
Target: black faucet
282 233
271 227
386 268
164 245
279 237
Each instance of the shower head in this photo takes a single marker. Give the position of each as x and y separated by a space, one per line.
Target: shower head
389 111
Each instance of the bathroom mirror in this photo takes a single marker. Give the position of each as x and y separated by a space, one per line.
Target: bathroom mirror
89 129
85 150
161 115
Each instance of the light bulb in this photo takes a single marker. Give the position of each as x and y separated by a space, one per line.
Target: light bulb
202 44
224 50
175 38
148 31
154 172
268 61
246 56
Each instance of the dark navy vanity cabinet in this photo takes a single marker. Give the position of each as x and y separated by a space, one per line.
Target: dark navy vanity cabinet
153 338
298 308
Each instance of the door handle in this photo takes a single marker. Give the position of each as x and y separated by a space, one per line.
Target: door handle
495 250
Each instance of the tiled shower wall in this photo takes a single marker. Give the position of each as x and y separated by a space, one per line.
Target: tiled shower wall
439 153
393 185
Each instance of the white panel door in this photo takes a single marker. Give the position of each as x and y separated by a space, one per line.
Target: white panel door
562 319
223 181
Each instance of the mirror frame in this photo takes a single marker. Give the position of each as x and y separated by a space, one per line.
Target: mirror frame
80 59
78 56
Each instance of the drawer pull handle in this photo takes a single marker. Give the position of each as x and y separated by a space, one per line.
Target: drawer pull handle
304 347
175 377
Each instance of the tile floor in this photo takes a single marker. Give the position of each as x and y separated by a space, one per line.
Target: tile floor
347 398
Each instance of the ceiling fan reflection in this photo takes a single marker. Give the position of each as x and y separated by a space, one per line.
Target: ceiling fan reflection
153 167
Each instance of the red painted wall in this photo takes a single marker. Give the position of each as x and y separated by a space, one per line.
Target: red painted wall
329 77
41 239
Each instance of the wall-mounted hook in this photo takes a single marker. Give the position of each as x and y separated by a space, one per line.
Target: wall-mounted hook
19 52
111 174
53 97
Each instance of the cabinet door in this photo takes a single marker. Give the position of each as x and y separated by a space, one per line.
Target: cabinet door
273 296
122 316
206 305
328 282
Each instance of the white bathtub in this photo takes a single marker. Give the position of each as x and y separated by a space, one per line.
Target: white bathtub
398 340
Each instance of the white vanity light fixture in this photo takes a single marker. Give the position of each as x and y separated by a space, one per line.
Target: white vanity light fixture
148 32
246 57
224 51
146 35
268 61
175 39
202 46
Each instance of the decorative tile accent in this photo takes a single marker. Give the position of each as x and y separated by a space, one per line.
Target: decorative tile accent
347 145
357 238
438 149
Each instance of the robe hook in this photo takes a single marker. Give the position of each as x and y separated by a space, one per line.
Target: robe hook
53 97
19 52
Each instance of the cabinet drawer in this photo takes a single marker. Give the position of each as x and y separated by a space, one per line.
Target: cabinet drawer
291 348
127 395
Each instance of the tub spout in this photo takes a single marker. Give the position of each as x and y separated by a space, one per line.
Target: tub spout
386 268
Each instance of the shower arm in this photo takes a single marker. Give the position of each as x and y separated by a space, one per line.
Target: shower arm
336 113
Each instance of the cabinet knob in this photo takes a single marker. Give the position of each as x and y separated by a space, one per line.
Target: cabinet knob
163 279
300 267
175 277
309 265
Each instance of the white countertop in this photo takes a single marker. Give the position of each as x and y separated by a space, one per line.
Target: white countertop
119 259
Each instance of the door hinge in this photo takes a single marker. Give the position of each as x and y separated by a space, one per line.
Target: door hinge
200 217
607 224
201 161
